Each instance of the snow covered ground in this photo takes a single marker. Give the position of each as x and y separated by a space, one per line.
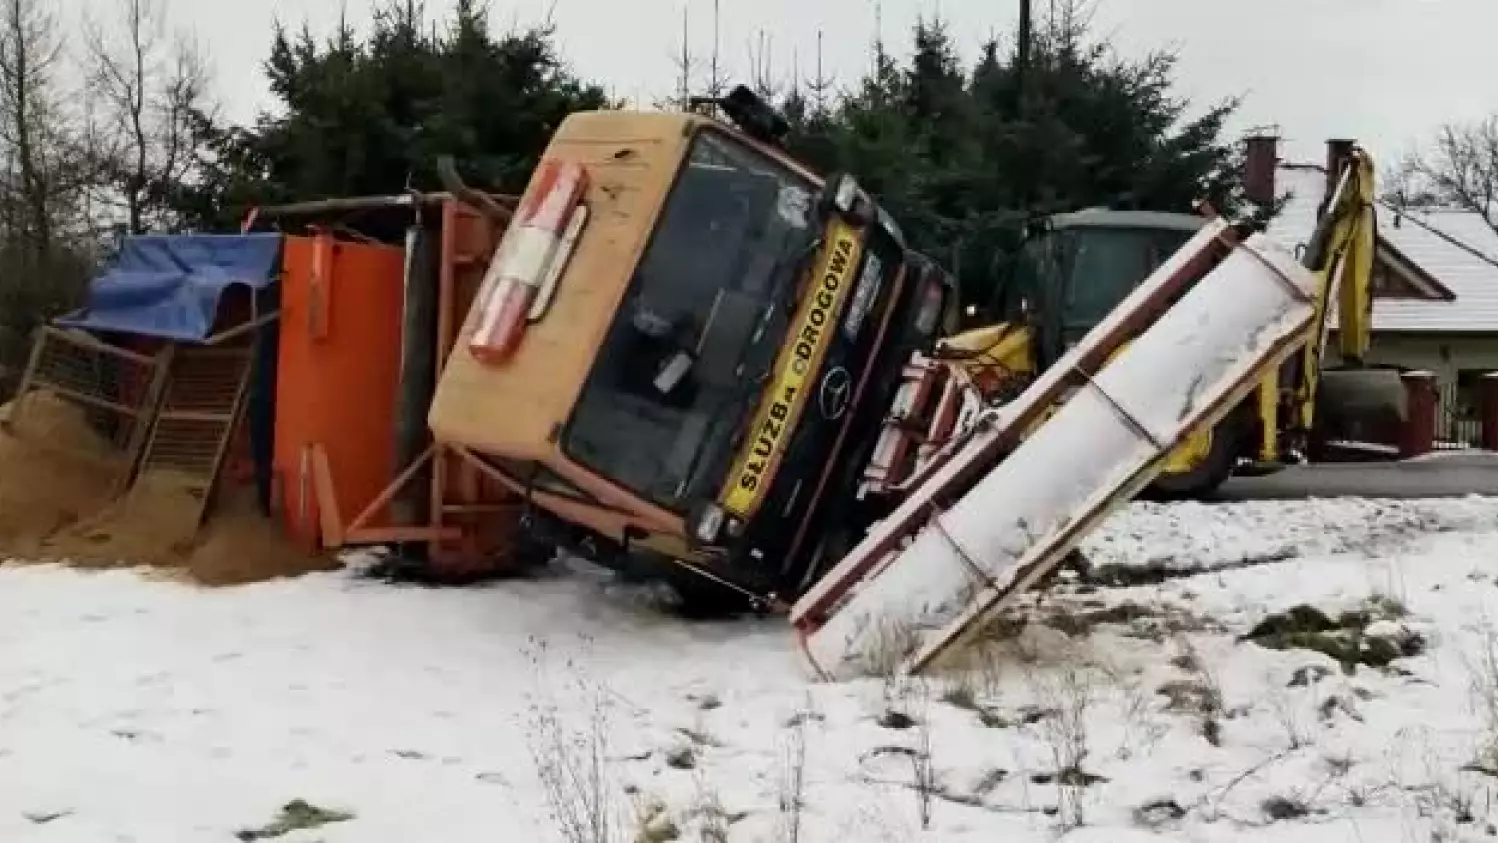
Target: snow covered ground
1122 706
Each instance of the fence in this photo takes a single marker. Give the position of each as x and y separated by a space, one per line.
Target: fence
1458 418
116 387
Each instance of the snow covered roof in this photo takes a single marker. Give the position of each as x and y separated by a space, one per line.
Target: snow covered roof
1455 261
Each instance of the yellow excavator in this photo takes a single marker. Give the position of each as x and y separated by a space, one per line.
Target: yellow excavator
1073 269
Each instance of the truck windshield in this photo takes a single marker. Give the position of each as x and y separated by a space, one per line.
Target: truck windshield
698 327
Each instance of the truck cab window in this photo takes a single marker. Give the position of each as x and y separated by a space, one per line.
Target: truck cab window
703 316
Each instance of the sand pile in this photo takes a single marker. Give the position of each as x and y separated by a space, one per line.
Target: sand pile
53 469
154 525
56 479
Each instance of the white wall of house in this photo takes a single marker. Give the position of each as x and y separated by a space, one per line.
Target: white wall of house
1444 354
1458 361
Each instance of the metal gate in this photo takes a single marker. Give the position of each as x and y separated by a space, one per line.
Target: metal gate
117 388
1458 419
175 410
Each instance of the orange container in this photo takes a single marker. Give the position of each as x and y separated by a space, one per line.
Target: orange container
337 372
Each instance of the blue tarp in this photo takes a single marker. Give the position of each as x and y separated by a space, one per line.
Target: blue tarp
168 286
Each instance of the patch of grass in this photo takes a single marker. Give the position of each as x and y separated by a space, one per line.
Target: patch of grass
791 781
1191 695
699 737
1132 620
1211 730
1157 572
992 719
1387 607
713 819
1032 714
1008 626
296 815
896 719
1200 697
990 780
1343 639
1069 694
1069 777
961 694
1188 661
1284 808
682 757
1308 675
1297 620
44 817
801 718
572 760
1158 812
1334 705
654 823
891 643
1079 624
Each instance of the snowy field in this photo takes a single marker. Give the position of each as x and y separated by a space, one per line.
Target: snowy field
1145 698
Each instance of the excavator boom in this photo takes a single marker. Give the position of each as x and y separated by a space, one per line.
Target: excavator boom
1340 254
1355 228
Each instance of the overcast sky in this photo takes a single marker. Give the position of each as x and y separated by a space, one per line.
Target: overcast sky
1384 71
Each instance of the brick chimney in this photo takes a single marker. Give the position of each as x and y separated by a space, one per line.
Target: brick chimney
1262 159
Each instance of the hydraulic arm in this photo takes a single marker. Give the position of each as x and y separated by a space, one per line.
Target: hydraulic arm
1340 256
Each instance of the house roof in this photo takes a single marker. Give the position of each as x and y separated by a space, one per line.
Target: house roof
1458 249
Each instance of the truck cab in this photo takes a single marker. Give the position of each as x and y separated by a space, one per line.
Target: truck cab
683 349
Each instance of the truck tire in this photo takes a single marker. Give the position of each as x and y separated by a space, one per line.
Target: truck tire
1211 472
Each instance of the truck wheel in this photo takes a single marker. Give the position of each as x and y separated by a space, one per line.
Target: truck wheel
1211 472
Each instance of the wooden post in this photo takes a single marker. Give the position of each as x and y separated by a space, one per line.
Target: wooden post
33 362
1419 434
1487 403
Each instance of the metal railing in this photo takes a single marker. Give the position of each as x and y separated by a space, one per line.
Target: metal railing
1458 422
116 388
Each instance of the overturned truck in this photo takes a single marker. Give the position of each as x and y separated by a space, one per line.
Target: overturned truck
683 355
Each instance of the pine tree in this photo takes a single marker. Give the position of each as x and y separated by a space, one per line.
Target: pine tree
371 115
964 158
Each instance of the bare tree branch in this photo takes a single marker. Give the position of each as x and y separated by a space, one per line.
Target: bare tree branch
45 243
150 85
1460 169
35 130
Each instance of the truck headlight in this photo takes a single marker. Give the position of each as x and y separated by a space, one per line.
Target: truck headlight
891 227
708 524
846 194
933 299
